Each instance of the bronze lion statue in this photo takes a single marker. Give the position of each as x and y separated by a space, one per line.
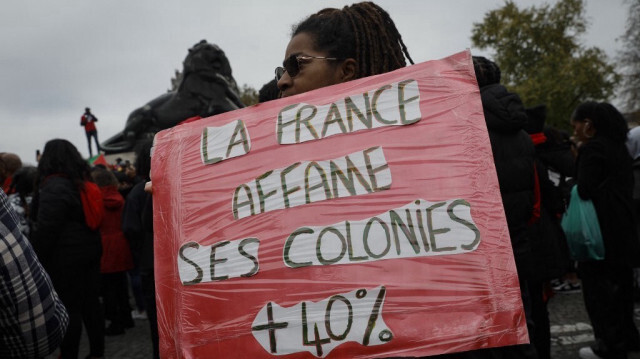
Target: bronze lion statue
206 88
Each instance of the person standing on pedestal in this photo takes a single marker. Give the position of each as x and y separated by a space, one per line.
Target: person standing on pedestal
88 120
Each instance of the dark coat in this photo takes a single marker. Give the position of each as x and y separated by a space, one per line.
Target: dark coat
605 175
550 253
136 227
61 236
513 154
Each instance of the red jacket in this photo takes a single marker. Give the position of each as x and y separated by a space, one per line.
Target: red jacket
6 186
89 122
116 254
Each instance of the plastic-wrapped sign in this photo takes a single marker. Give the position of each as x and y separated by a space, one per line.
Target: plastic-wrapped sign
360 220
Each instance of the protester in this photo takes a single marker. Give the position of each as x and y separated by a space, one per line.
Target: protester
33 319
135 238
513 155
118 165
67 212
127 178
332 47
338 45
21 190
550 254
137 225
268 91
116 255
557 155
126 182
633 145
9 164
604 175
88 120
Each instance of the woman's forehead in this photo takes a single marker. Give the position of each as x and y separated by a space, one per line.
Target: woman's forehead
302 44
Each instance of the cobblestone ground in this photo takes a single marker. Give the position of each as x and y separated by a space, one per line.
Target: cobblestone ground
570 328
134 344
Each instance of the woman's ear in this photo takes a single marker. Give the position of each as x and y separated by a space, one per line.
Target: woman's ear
589 130
588 125
349 70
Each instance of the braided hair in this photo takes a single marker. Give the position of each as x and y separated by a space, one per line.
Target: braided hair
362 31
607 120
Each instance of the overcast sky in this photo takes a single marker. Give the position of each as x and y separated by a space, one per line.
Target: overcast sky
58 57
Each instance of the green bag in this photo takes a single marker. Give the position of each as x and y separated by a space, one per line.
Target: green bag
581 226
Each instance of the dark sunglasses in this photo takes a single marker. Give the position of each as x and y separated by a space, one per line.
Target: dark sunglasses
292 64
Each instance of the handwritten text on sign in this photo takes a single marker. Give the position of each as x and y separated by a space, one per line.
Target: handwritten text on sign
319 327
224 142
419 229
311 181
396 104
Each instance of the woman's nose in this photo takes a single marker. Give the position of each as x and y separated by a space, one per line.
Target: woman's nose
284 82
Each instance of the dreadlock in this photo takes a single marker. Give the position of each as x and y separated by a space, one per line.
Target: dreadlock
362 31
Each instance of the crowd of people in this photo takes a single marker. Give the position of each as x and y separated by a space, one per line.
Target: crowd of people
86 233
75 233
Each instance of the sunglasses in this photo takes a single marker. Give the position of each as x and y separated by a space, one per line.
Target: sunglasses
292 64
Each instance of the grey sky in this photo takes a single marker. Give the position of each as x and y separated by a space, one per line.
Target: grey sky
57 57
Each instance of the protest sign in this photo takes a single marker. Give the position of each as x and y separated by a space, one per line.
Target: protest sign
359 220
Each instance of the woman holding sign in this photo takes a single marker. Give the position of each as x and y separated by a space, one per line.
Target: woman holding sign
334 46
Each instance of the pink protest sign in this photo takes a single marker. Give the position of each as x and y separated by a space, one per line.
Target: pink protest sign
360 220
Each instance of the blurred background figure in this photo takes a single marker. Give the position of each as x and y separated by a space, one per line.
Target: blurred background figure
67 241
633 145
513 155
9 164
116 255
88 121
550 253
21 190
604 175
268 92
137 225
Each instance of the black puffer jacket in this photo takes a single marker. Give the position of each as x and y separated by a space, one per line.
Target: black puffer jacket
513 154
61 237
605 175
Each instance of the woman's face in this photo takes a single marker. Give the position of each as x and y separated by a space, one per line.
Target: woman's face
582 130
314 73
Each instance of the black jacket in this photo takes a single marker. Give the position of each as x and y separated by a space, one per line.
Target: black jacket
605 175
550 253
137 225
513 154
61 237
